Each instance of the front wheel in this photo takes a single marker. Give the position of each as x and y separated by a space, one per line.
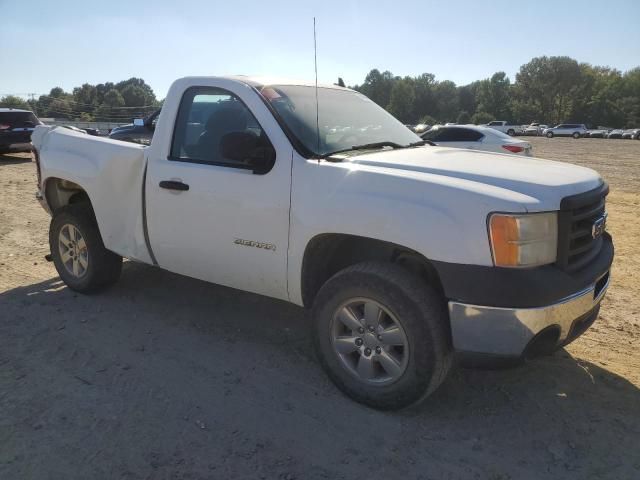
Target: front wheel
382 335
78 253
576 135
549 134
511 132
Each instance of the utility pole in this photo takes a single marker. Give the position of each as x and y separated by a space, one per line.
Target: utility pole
33 103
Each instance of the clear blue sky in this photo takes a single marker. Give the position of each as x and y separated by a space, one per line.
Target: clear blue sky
66 43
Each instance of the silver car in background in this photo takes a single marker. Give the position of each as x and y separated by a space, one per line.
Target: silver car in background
617 133
575 130
632 133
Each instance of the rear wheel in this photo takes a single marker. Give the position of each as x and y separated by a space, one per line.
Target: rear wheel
78 253
381 335
549 134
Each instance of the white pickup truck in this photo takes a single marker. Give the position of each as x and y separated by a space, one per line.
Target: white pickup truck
506 127
406 253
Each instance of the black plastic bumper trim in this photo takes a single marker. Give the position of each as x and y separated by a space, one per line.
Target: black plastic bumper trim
520 288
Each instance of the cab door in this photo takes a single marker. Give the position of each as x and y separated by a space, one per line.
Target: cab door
210 214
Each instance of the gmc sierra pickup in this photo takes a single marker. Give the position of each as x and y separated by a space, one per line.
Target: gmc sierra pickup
406 253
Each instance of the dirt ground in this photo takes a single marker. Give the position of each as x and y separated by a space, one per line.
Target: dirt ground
165 377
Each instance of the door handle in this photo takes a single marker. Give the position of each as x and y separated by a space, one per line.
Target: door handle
174 185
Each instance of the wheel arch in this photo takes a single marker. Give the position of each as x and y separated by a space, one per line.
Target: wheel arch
328 253
59 192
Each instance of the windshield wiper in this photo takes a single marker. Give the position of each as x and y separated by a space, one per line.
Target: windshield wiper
421 143
374 145
367 146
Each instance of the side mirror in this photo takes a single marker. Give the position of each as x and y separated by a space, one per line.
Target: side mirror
245 148
138 122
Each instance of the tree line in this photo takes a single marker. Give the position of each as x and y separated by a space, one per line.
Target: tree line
111 102
547 90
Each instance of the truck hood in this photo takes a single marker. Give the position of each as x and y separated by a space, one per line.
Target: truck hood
535 183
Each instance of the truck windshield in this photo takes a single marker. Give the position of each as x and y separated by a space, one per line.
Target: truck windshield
346 119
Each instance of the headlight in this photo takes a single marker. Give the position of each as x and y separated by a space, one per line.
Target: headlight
523 240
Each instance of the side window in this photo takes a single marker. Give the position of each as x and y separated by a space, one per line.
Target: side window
215 127
446 135
493 124
458 135
433 134
468 135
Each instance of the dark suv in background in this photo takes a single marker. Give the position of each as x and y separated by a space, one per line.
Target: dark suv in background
15 129
140 131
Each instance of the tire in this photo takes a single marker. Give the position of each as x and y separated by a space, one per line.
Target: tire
576 135
511 132
87 266
404 299
549 134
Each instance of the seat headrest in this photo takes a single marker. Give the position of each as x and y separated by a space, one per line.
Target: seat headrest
227 119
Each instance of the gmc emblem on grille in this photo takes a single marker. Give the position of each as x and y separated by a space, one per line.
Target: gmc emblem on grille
599 226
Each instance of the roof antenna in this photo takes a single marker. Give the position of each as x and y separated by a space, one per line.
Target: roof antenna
315 62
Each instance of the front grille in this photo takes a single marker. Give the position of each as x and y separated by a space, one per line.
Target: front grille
576 218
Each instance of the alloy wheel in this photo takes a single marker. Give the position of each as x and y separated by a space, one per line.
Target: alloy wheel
369 341
73 250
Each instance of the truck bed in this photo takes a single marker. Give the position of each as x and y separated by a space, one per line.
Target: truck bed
112 174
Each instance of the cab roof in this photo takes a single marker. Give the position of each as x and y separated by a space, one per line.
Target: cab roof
259 81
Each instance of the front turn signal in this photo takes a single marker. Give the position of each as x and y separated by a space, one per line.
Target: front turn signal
523 240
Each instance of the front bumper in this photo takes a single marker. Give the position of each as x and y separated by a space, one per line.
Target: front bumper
511 332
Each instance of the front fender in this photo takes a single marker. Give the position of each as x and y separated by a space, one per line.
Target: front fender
443 220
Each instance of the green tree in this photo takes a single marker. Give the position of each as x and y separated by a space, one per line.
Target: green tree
550 84
480 118
493 95
142 90
133 96
467 97
86 95
402 99
110 108
57 92
113 98
377 86
447 107
11 101
60 108
463 118
424 103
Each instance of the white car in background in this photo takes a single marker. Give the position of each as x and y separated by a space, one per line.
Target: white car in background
534 129
505 127
597 133
476 137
